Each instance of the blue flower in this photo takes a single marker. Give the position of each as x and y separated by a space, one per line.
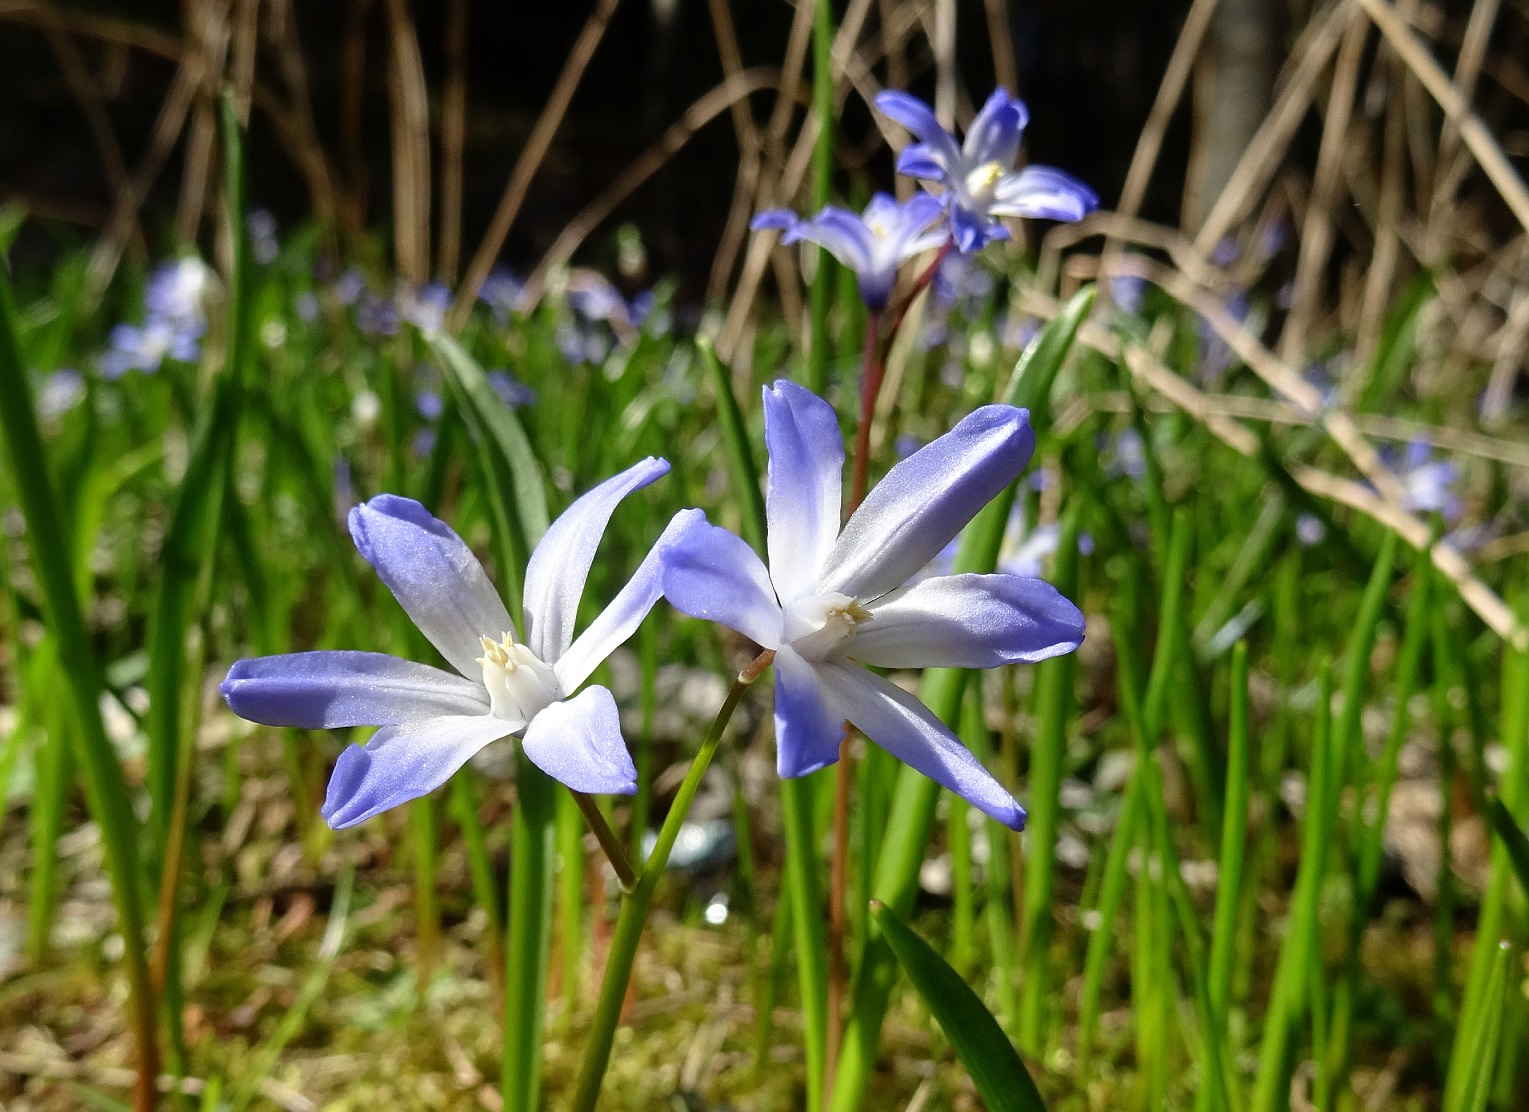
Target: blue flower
503 293
834 600
1429 483
174 323
426 308
61 391
512 392
145 348
264 246
874 245
978 176
432 720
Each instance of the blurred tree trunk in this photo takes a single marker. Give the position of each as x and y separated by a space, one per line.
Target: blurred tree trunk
1234 89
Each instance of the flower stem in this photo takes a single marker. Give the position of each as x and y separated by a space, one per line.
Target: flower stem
838 975
634 908
920 284
615 852
870 386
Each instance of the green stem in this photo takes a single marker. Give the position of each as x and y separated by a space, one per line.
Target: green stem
634 908
615 852
532 851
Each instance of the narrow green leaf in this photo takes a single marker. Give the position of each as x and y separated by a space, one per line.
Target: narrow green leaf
740 459
1512 838
995 1067
105 786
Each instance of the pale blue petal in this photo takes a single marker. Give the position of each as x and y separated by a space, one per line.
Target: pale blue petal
711 574
558 568
321 690
925 500
904 727
973 231
774 219
620 619
995 134
434 576
578 742
840 231
920 162
404 762
806 483
918 118
1043 193
968 621
807 729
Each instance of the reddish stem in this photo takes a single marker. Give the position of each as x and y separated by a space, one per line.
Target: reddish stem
838 974
919 286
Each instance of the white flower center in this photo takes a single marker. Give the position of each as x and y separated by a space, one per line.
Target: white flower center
980 182
819 625
520 684
878 228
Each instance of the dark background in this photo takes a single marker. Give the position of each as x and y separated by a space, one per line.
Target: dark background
1088 68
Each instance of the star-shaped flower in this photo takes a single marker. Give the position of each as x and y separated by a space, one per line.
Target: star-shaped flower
978 176
832 600
433 720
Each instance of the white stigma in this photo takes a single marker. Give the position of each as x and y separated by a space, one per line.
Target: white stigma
980 182
820 625
520 684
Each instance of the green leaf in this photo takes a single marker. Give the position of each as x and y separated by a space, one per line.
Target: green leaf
1512 838
509 465
995 1067
742 469
1036 371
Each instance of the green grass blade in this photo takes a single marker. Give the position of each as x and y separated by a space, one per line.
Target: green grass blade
1054 704
1233 840
1290 990
740 459
105 786
996 1069
1483 1035
518 493
292 1021
1494 907
1511 835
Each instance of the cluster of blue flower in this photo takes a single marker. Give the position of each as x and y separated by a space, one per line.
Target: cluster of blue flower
977 184
829 600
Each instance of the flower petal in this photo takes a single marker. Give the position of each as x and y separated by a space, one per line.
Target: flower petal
919 118
925 500
907 729
973 231
968 621
1043 193
806 484
434 576
320 690
558 568
919 161
995 134
840 231
620 619
773 219
578 742
807 729
711 574
404 762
